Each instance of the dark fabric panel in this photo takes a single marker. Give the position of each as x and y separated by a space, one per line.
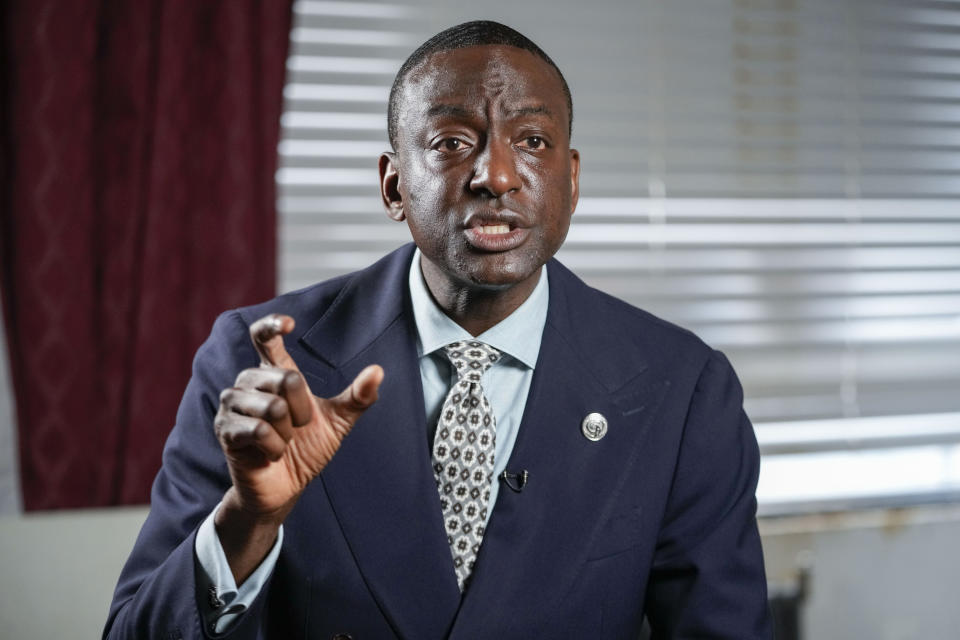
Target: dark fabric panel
138 192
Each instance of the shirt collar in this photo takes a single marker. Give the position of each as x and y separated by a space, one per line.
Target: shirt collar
518 334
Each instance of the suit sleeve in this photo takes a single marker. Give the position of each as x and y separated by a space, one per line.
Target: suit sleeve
708 578
156 595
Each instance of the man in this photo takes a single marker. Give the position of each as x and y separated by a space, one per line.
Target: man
527 457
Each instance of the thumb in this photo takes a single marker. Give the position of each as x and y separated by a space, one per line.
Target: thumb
359 396
267 336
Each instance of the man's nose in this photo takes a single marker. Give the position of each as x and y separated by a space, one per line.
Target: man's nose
496 170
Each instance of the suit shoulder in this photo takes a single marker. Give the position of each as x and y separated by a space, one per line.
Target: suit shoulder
621 334
313 300
652 326
309 304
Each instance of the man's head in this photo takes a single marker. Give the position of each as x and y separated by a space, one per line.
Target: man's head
482 169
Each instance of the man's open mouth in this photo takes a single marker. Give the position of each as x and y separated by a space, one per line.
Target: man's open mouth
496 237
494 229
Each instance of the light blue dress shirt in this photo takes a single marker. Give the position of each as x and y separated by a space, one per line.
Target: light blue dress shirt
506 385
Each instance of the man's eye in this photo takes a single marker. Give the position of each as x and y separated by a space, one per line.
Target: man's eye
534 142
452 144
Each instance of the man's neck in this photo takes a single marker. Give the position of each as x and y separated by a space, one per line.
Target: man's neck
474 308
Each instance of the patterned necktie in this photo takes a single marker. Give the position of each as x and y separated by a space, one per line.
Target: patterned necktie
463 451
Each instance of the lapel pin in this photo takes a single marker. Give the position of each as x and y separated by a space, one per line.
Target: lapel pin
594 426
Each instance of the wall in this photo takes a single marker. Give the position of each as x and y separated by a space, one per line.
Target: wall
883 575
60 568
10 501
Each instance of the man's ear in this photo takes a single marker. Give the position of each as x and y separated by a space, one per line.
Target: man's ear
574 179
390 186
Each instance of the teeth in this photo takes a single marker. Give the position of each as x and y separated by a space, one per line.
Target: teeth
493 229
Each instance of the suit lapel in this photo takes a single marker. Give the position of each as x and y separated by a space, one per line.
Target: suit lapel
539 538
380 483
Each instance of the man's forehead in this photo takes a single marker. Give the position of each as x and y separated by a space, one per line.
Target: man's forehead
444 77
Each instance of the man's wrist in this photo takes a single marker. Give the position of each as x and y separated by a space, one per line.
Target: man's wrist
246 537
221 601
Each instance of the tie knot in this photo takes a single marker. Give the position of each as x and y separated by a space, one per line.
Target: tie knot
471 358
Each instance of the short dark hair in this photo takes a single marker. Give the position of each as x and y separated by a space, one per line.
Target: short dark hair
468 34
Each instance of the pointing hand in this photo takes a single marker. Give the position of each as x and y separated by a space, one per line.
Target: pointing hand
276 435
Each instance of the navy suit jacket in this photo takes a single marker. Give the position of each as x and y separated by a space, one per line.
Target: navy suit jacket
656 518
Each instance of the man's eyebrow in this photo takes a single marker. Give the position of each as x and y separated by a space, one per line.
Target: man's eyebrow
539 109
447 110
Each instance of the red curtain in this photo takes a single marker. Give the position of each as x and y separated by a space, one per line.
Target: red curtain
139 151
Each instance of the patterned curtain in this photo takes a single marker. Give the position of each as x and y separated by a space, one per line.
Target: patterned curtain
139 151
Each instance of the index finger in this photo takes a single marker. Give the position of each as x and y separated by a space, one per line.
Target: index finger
267 337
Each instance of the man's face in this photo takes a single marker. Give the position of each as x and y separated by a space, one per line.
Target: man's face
484 173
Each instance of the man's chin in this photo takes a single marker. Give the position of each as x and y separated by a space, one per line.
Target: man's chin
487 272
500 275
